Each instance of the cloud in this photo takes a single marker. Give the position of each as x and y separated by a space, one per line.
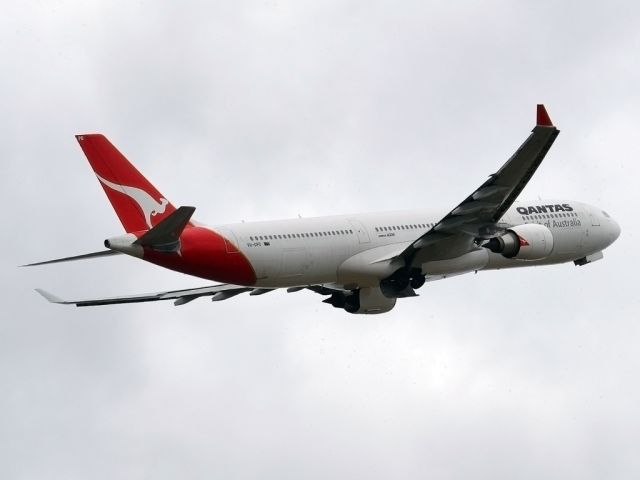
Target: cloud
259 110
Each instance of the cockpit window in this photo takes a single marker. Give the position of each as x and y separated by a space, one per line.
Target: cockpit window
605 214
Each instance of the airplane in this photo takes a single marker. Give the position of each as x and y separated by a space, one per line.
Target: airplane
361 263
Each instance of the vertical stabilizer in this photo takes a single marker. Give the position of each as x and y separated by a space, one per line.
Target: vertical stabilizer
138 204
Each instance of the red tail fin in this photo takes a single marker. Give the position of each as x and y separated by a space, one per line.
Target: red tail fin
137 203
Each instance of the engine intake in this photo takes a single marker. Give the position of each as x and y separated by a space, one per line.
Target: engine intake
530 241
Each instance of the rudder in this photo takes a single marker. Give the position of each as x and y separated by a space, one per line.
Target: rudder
138 204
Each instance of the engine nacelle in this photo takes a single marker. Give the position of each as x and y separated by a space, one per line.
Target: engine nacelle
530 241
369 300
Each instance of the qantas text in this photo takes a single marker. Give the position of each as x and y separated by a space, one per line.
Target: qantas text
565 207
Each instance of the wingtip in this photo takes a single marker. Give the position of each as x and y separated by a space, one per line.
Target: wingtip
49 296
542 117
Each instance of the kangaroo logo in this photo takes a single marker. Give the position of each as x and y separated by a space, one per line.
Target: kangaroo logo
149 206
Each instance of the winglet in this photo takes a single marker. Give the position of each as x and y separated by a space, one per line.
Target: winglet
543 119
50 297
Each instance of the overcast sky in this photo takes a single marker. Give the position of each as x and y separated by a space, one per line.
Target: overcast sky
260 110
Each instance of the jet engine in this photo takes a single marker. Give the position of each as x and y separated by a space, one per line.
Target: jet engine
367 300
530 241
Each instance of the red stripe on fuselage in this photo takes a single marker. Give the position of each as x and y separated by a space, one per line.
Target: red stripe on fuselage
205 253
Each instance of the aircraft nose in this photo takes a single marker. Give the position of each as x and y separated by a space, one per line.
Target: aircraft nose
614 230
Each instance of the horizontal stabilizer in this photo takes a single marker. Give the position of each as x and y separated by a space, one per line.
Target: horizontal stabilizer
165 235
104 253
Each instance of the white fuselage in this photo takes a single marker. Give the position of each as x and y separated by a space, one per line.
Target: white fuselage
321 250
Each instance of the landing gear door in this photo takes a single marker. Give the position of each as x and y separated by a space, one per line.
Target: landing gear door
361 230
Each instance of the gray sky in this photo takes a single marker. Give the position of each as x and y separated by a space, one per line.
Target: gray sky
259 110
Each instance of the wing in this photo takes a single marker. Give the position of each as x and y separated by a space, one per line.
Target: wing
477 216
180 297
